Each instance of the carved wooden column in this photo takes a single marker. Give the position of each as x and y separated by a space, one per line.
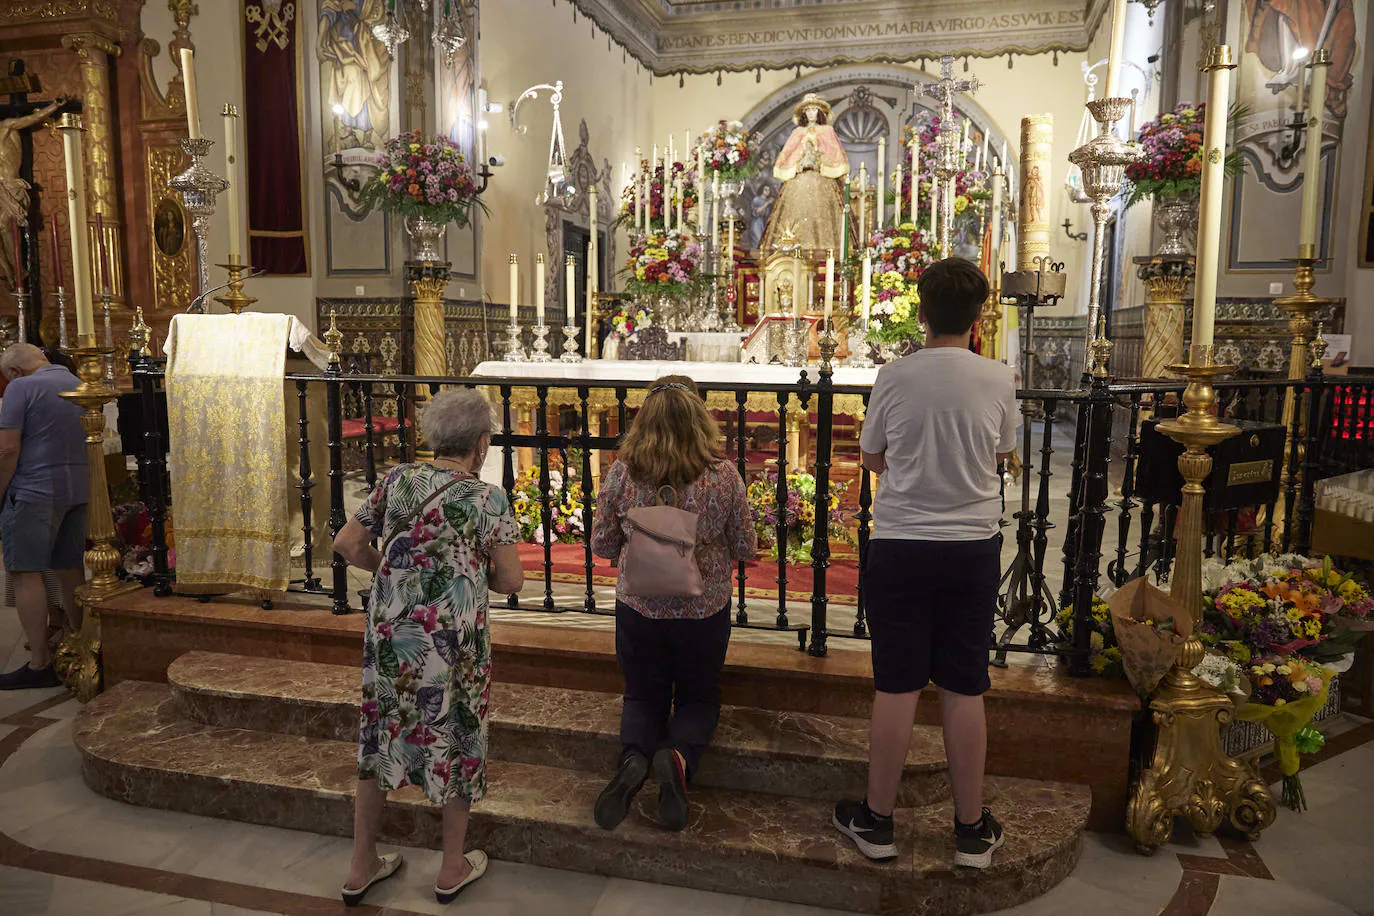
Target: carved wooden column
1166 280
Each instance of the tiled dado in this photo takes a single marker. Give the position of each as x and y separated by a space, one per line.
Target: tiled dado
1042 724
754 750
137 747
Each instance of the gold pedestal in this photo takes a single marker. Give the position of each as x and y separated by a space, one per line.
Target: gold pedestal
77 660
1166 282
430 358
1189 773
1301 307
234 299
990 324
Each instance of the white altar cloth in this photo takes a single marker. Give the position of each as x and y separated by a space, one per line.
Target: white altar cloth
710 346
639 370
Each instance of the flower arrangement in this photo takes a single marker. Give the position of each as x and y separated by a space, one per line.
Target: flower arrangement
629 320
133 526
683 183
899 257
731 152
799 514
1172 165
566 505
429 179
663 263
1105 657
970 186
1285 621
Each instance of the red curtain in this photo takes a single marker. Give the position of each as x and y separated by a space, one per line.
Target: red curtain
271 92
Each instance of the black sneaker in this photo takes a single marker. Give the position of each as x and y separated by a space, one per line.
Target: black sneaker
871 833
614 801
26 678
974 843
672 789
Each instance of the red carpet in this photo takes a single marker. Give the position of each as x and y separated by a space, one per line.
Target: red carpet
760 578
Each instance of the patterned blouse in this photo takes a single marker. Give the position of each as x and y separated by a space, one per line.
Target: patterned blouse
725 534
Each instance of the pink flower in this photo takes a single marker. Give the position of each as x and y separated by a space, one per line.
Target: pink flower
469 766
370 710
442 771
1314 685
426 615
385 629
422 736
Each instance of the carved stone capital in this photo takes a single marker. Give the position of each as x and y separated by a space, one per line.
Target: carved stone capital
87 44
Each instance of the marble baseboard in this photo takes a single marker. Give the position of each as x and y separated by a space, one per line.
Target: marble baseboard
137 747
1042 724
754 750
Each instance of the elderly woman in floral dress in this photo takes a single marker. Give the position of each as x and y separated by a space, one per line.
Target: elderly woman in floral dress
445 538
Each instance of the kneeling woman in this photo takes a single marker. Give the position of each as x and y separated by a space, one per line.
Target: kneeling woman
671 649
445 538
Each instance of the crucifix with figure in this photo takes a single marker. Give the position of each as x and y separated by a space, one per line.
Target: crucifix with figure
20 209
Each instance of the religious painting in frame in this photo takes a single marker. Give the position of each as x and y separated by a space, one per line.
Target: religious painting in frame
456 80
355 106
1275 36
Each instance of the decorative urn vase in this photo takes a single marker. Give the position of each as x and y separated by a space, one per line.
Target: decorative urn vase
1176 216
730 190
426 236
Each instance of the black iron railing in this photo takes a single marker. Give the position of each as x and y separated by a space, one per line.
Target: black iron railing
1332 425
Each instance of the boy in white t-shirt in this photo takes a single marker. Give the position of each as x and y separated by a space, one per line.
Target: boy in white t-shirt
938 423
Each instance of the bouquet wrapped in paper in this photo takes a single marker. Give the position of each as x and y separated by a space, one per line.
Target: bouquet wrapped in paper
1150 627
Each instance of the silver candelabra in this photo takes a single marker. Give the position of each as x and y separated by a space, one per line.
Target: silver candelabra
540 352
1102 161
61 317
199 187
515 348
570 354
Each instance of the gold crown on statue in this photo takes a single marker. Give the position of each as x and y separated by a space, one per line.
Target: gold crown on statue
811 100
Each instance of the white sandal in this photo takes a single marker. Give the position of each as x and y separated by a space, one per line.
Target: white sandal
478 860
391 863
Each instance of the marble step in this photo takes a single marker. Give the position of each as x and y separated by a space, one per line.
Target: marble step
138 747
755 750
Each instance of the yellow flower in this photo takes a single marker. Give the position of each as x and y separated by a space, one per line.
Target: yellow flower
1280 702
960 204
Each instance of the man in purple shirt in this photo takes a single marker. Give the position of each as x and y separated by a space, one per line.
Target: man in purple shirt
43 506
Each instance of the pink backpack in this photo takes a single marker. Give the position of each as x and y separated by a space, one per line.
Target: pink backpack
660 551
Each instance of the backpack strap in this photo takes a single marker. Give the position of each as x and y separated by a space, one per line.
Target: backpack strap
420 512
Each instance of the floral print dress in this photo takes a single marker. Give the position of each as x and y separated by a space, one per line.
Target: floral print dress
426 651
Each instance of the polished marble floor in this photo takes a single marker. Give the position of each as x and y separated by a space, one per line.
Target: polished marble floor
66 850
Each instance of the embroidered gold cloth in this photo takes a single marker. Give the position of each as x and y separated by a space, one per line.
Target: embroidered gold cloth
227 455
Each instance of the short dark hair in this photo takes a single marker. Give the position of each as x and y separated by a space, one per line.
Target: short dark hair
952 294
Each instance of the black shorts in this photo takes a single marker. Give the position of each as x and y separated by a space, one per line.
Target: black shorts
930 611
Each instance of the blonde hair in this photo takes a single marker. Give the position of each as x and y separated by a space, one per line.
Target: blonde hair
673 438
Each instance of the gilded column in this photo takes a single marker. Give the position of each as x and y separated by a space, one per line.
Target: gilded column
1166 282
427 281
1033 211
102 193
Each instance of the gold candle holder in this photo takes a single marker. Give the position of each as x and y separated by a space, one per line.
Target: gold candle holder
140 335
234 299
1189 772
77 660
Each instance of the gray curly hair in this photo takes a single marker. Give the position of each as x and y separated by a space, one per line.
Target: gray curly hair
455 421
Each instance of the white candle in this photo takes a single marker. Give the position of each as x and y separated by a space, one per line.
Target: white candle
730 245
76 218
810 290
570 290
897 197
915 178
1116 49
681 195
188 83
934 203
715 208
592 225
686 146
863 203
539 288
796 286
235 176
829 288
639 190
882 180
670 152
867 281
995 238
514 285
701 188
1312 156
983 153
1209 208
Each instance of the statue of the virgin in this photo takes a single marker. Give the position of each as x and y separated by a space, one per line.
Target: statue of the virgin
811 167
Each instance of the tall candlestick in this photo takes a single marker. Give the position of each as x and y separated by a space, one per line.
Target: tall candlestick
99 247
701 188
56 251
570 290
867 282
71 128
897 197
234 174
681 195
882 181
730 251
514 285
1116 49
188 83
1312 156
539 288
1219 69
715 208
829 288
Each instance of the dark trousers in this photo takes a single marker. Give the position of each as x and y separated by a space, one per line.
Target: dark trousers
672 681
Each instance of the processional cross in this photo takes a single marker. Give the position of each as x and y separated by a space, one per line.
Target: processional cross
943 90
